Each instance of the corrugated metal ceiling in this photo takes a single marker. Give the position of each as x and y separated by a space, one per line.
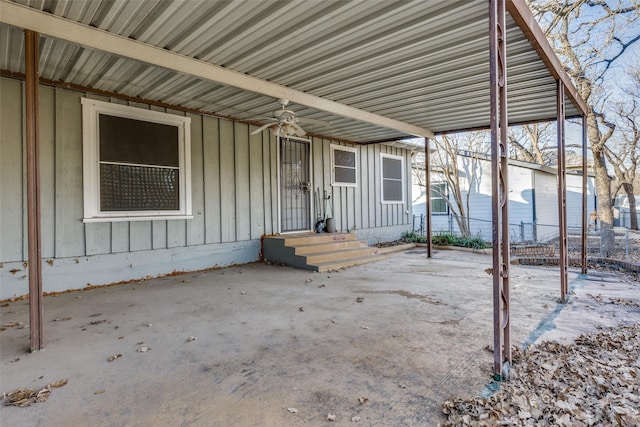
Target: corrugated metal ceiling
421 62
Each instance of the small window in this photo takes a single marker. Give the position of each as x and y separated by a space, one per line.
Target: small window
438 198
392 178
136 163
344 166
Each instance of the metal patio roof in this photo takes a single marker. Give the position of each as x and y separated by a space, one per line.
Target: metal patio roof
376 69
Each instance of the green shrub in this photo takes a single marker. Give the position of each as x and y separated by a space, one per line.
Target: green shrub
412 237
471 242
444 239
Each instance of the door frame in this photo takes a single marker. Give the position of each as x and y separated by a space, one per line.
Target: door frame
311 191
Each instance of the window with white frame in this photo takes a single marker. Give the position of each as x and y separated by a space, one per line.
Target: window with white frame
344 166
136 163
438 198
392 178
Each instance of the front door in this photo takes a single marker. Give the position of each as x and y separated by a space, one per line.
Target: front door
295 185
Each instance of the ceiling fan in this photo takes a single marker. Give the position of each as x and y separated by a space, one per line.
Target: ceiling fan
286 123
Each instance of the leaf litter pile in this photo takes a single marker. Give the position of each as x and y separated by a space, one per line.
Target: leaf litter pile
27 397
594 381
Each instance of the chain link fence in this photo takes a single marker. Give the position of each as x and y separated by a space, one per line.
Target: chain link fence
617 243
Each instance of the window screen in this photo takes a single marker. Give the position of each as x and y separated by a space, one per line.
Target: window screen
136 163
438 194
344 165
392 179
139 165
136 141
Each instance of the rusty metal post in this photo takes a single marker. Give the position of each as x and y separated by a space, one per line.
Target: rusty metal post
33 189
499 188
562 194
427 180
585 205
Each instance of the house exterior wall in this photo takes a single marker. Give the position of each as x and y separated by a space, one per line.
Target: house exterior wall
479 189
546 186
574 200
234 197
533 198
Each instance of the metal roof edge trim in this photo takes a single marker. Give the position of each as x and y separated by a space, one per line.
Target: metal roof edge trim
511 124
94 38
523 17
514 162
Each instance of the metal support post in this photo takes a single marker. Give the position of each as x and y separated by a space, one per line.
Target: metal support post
33 190
562 194
427 179
499 187
583 252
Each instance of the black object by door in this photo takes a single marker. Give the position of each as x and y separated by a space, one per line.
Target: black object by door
295 185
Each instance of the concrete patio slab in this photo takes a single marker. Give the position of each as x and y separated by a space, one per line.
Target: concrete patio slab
387 342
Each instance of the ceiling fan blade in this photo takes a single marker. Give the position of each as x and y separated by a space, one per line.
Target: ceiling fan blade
264 119
314 121
261 128
298 130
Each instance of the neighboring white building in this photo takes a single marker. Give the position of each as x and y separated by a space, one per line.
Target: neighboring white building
622 212
533 200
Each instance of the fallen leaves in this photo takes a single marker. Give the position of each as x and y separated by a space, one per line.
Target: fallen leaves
26 397
594 381
624 302
12 324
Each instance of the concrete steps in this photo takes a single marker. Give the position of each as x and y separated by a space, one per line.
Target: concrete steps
318 251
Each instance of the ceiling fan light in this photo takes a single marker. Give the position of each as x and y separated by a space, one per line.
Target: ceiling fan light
287 129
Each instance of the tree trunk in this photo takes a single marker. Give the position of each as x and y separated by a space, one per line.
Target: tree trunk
633 213
603 188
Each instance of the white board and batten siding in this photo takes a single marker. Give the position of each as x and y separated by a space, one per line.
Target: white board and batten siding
478 188
533 202
574 200
547 211
234 199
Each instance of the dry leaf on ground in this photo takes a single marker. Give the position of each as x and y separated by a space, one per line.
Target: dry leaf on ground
26 397
594 381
